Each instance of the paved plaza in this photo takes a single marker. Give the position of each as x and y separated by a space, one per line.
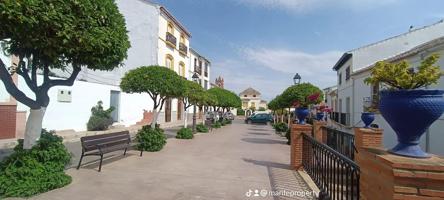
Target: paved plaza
224 164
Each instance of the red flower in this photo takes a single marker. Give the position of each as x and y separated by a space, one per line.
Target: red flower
314 97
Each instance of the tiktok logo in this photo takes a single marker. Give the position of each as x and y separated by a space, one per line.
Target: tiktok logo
249 193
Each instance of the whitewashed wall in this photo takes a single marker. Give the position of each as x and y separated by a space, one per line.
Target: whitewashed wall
85 95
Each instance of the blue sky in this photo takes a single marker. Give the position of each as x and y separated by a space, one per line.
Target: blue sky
263 43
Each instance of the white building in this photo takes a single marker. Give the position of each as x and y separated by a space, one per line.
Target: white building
354 66
251 100
200 65
157 38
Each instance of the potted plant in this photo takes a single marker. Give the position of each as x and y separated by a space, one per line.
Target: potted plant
408 109
368 116
302 110
320 112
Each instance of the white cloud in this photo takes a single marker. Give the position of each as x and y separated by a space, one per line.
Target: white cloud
314 68
271 70
308 5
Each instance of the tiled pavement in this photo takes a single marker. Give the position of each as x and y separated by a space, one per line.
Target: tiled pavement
224 164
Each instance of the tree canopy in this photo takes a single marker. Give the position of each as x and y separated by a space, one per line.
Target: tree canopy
300 93
67 35
225 98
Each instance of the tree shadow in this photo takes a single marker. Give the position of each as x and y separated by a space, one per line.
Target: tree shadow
263 141
255 133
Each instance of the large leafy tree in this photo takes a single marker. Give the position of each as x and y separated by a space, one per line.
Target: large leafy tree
299 94
159 82
67 35
192 95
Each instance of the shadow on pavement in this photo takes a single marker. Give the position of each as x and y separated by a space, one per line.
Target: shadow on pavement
263 141
255 133
93 164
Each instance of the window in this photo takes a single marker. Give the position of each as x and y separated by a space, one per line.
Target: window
195 62
170 28
182 38
169 62
245 95
206 85
244 104
347 73
340 78
254 95
253 104
182 69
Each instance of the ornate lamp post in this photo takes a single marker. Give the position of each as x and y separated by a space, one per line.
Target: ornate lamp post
297 79
195 78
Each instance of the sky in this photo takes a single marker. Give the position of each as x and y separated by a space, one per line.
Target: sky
264 43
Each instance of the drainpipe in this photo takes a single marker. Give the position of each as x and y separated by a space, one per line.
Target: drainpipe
352 114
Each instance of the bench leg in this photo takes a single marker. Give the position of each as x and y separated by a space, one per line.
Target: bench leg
141 151
124 153
80 161
100 165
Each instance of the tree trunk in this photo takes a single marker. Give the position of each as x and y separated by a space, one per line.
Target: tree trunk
289 117
155 115
185 120
33 127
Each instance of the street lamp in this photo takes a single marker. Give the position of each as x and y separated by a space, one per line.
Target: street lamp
297 79
195 78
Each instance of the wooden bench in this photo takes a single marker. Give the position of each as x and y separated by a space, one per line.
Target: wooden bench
98 145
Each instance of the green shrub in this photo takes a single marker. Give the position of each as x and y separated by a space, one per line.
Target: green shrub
185 133
288 136
150 140
201 128
217 125
240 112
40 169
229 121
280 127
100 119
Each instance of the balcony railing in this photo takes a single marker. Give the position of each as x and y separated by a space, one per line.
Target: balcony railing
183 49
198 70
206 74
171 40
342 118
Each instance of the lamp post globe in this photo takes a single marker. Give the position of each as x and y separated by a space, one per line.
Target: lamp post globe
297 79
195 78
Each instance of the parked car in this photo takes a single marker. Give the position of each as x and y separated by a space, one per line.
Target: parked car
259 118
229 116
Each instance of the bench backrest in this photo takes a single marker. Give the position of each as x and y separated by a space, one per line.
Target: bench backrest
90 143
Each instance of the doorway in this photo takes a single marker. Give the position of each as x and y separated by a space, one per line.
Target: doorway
115 102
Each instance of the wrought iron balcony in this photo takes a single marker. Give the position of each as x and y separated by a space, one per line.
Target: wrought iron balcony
170 40
183 49
198 70
342 118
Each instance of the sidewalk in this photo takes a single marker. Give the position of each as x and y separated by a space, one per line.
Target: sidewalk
229 163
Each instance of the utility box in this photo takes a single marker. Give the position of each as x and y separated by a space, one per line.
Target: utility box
64 96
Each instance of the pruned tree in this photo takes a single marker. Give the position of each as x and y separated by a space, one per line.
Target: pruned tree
192 95
159 82
298 94
65 35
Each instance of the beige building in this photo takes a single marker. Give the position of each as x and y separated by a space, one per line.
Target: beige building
251 100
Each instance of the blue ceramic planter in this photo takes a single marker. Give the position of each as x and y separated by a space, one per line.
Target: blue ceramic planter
320 116
367 118
302 113
410 113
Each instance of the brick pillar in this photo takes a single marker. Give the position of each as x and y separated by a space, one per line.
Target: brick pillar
296 144
320 134
388 176
368 138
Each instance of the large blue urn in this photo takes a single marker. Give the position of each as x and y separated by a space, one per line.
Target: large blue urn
410 113
367 118
319 116
301 114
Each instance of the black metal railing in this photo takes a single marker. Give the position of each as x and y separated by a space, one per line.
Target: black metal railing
342 118
198 69
170 39
342 142
183 49
335 175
